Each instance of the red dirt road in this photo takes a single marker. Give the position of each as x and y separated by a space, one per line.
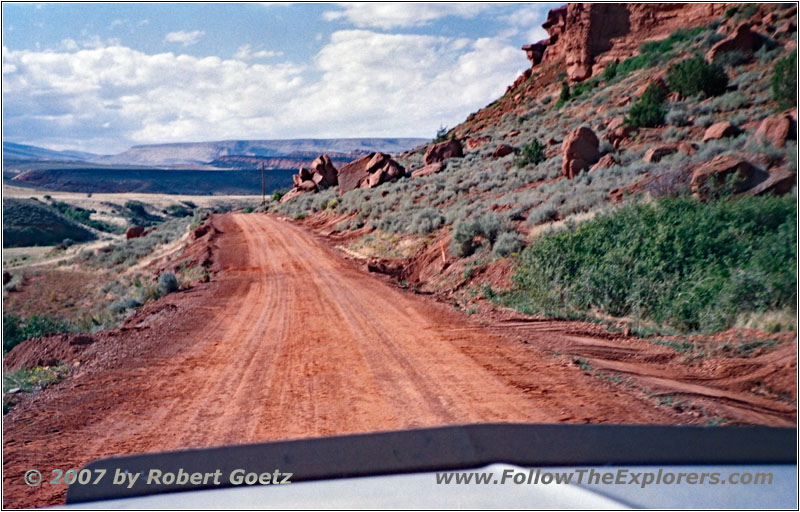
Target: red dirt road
291 340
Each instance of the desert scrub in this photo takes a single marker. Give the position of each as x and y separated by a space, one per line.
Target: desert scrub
31 380
676 262
470 234
507 243
17 329
426 221
168 283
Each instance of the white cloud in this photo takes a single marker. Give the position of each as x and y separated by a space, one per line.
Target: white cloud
361 83
186 38
389 15
245 52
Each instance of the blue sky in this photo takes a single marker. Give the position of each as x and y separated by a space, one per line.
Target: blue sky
104 77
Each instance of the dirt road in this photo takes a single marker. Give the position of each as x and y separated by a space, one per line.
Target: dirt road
291 340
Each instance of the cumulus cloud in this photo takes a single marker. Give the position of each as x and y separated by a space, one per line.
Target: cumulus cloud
186 38
360 83
246 52
390 15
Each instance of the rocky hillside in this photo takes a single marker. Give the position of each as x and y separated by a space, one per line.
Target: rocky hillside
624 106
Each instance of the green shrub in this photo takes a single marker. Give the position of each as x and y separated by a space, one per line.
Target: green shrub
441 135
463 242
649 110
531 154
610 71
695 75
564 96
784 82
17 330
677 262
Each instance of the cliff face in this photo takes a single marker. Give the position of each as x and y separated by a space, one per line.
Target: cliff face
587 36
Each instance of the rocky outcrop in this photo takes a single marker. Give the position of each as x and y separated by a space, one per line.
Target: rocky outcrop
731 170
428 170
775 130
320 176
656 153
587 36
369 171
580 150
443 150
720 131
742 40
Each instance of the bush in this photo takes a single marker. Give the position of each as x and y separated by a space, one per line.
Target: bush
677 262
168 283
463 242
610 71
441 135
426 221
507 244
784 82
649 111
695 75
677 117
564 96
531 154
17 330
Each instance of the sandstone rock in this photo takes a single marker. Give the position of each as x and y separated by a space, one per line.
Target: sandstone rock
428 170
742 40
134 232
304 174
686 148
552 141
720 131
615 123
307 186
775 130
619 135
786 28
369 171
580 150
443 150
476 142
581 32
722 169
295 192
324 173
656 153
605 161
502 150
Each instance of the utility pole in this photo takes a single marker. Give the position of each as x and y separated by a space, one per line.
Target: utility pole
263 187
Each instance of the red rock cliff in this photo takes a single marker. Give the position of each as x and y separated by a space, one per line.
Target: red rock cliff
587 36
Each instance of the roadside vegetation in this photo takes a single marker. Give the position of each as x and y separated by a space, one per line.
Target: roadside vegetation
679 263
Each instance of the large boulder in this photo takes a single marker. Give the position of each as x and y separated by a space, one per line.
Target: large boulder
502 150
428 170
369 171
776 130
656 153
731 169
579 150
442 151
720 131
134 232
324 174
742 40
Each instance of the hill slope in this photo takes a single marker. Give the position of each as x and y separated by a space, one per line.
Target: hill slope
554 152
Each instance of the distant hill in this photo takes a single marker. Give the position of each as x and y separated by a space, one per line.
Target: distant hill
25 152
200 153
28 222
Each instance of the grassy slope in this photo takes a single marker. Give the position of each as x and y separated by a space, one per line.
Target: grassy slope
27 222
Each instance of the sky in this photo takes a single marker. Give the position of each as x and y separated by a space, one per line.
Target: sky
102 77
